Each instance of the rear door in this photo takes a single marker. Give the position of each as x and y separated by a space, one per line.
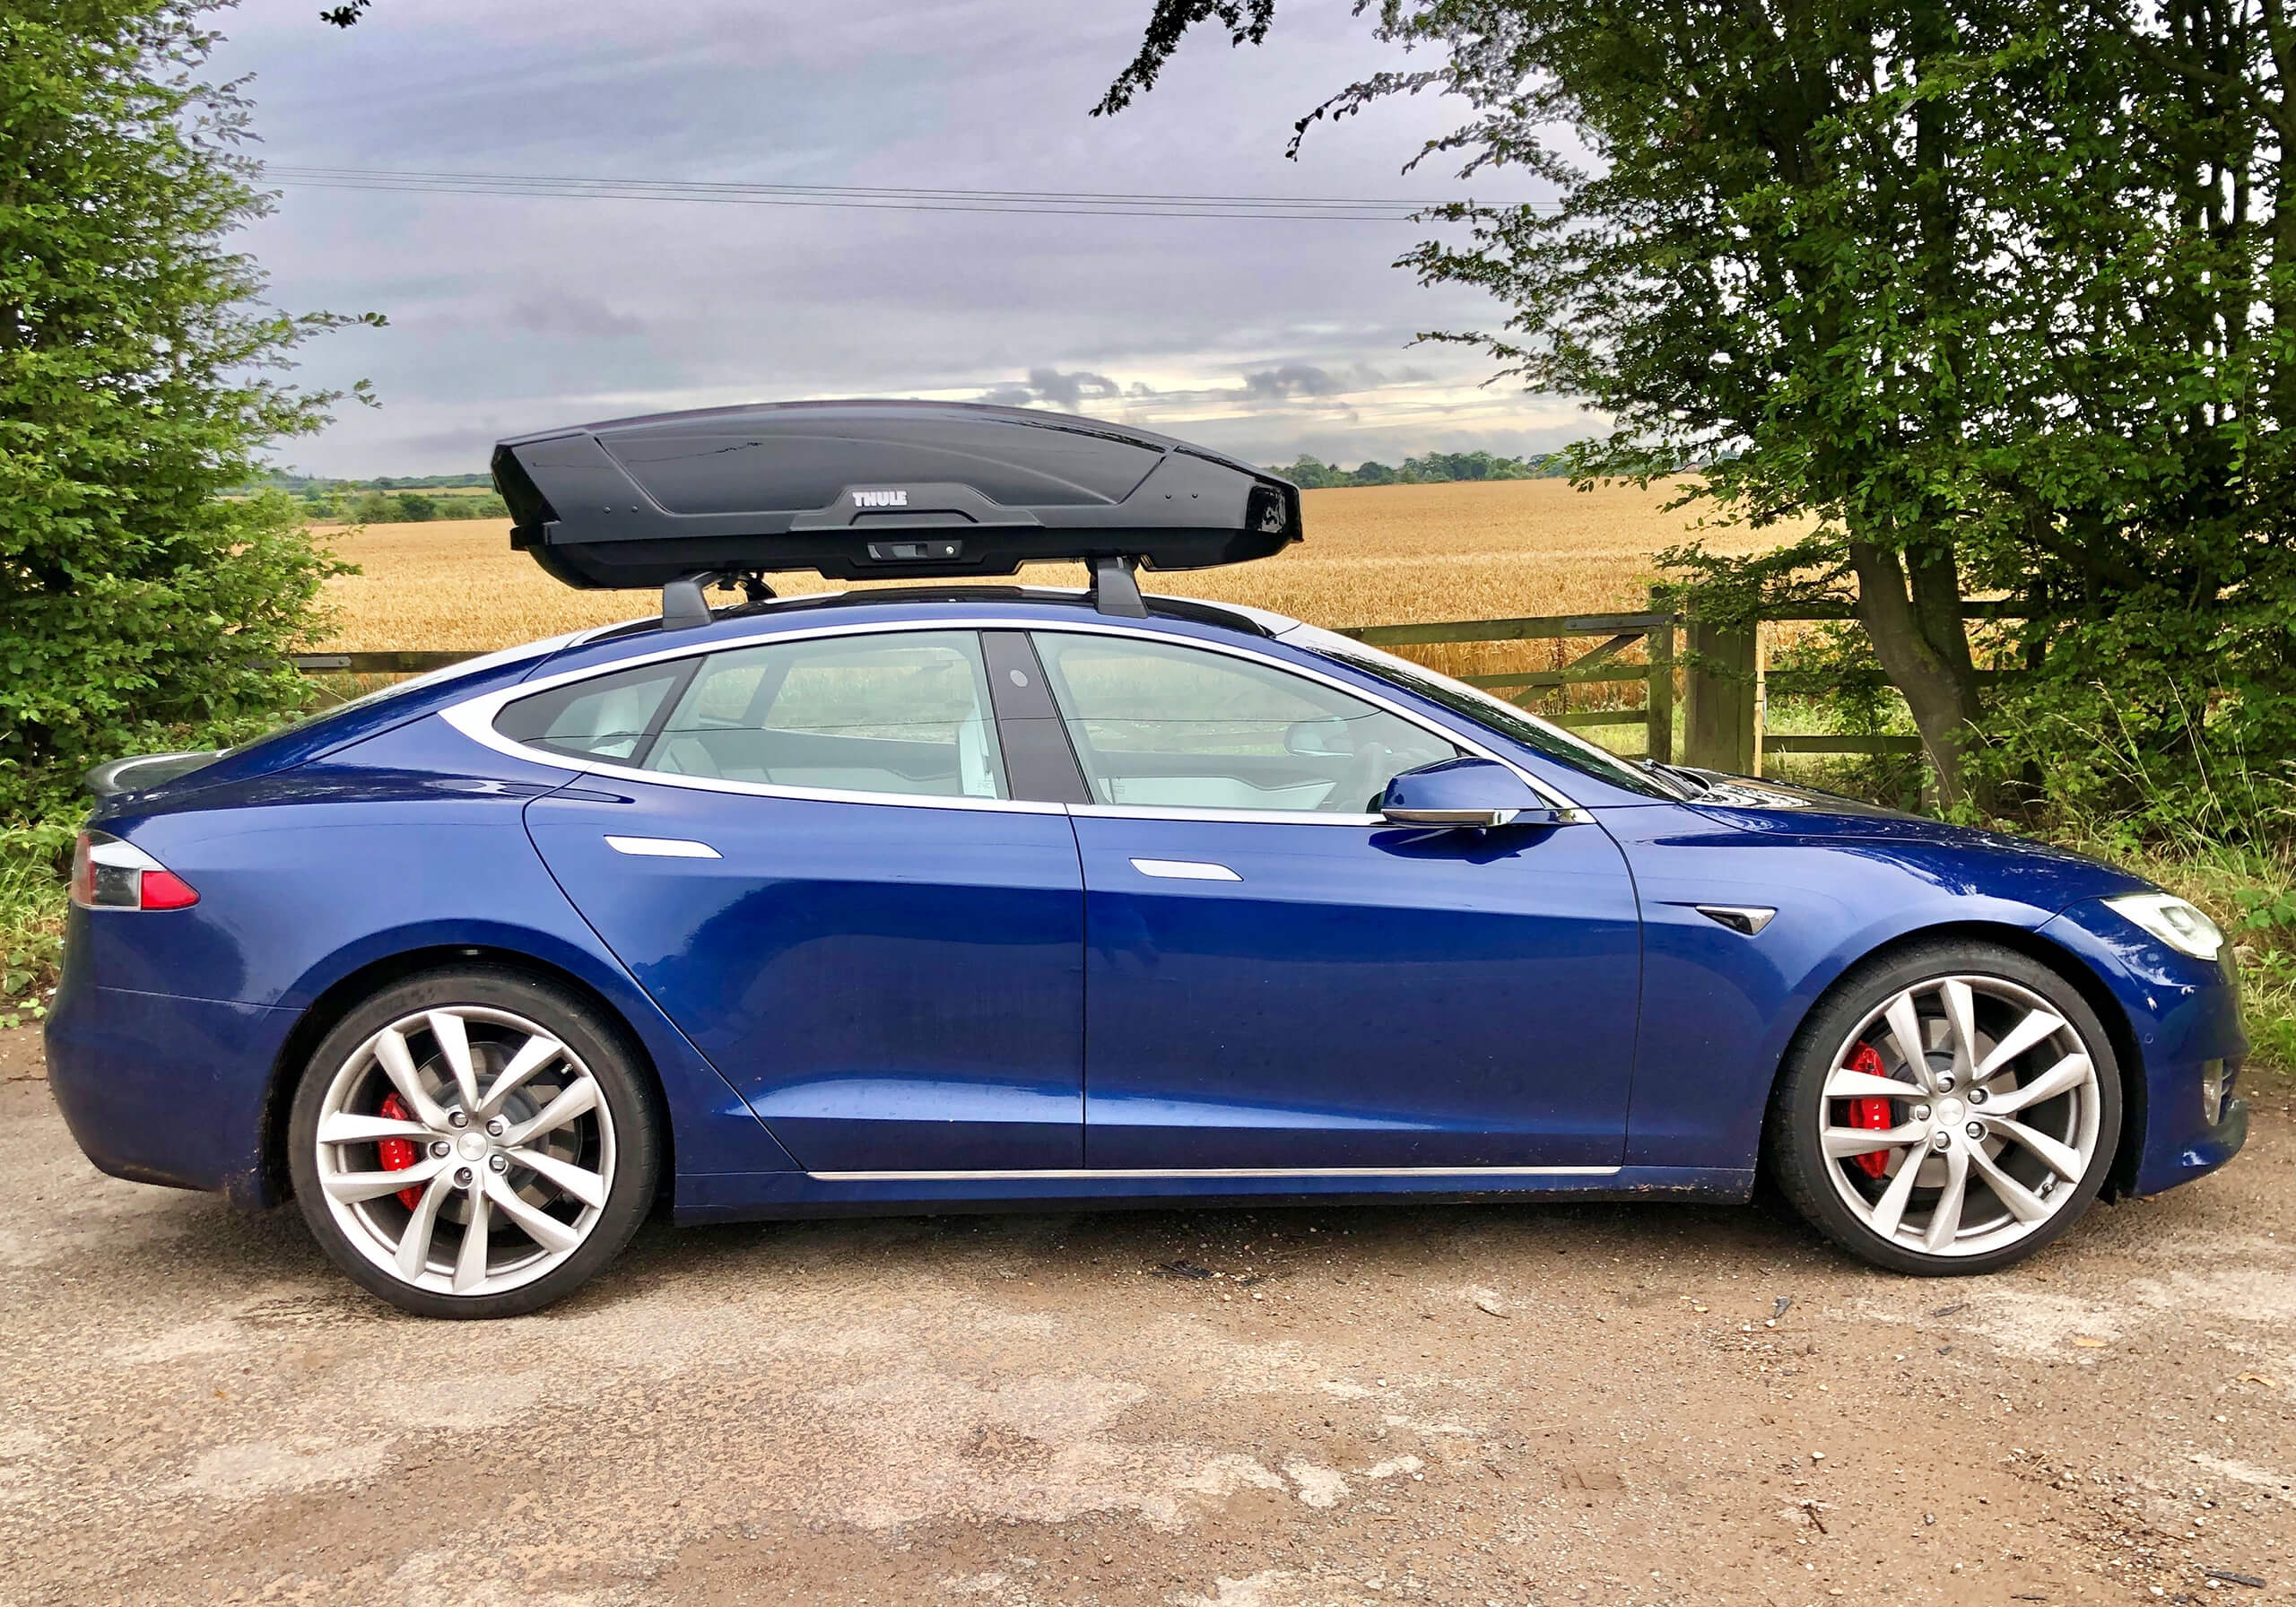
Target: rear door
810 855
1277 979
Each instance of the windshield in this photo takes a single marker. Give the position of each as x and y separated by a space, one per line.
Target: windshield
1486 710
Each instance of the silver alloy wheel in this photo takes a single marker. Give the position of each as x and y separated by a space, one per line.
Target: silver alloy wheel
1993 1115
513 1151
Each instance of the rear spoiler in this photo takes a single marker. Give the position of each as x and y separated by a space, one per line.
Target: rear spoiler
144 771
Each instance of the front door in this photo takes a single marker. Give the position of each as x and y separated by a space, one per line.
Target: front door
822 878
1274 979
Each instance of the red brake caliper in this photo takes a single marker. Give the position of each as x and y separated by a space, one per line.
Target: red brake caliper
1862 1112
398 1154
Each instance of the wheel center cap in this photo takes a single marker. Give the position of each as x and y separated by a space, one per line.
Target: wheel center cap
471 1146
1950 1111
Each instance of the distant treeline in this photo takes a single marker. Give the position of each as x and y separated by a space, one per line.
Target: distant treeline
390 500
300 484
405 499
1436 468
404 508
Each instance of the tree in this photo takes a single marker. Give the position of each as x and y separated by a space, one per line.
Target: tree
1989 287
139 377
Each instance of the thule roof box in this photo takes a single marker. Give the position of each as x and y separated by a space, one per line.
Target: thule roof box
868 490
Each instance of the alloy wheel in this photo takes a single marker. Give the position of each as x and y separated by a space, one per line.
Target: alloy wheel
1960 1116
464 1151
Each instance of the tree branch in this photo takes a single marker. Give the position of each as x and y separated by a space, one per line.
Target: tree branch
1246 21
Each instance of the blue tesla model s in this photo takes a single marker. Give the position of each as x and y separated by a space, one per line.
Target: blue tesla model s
960 897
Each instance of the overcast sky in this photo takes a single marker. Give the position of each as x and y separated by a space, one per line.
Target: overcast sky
510 314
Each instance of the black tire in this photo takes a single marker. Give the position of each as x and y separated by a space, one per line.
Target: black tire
1793 1148
624 1091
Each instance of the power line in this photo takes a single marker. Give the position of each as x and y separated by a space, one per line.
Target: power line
1049 202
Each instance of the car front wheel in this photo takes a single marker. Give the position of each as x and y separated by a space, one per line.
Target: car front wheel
473 1144
1949 1110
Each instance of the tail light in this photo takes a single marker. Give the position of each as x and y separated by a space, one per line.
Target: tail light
109 873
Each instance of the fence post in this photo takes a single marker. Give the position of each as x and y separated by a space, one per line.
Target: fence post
1718 698
1660 646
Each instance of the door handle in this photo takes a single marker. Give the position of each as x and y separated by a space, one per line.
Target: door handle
1185 870
663 847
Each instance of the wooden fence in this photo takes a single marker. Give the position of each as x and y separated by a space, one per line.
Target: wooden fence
1723 681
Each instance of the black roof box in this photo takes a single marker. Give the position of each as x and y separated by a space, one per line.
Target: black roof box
862 490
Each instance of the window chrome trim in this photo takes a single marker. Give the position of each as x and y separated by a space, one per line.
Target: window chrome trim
1348 1172
474 718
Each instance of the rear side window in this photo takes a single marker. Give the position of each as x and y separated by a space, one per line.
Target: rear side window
608 718
907 712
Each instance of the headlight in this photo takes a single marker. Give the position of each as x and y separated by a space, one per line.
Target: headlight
2183 926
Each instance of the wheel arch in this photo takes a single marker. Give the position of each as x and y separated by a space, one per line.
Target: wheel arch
343 995
2069 966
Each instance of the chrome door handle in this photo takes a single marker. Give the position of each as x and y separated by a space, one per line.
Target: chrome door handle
1185 870
663 847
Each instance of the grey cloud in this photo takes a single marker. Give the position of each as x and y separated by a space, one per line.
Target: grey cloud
1293 379
1066 392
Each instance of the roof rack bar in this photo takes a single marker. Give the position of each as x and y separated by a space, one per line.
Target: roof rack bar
1115 591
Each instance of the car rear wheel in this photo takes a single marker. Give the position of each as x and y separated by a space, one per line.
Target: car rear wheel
1949 1110
473 1144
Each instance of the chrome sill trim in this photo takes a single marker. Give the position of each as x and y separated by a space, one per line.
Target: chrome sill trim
1231 1171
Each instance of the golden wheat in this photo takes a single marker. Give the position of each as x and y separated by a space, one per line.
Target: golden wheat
1374 555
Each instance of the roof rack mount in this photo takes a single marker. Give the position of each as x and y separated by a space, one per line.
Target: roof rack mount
684 606
1114 589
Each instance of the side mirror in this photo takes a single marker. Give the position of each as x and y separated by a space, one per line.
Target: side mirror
1465 792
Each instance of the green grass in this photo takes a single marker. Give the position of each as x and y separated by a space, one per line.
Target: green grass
32 916
2245 890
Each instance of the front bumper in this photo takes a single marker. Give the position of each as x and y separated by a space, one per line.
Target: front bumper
2183 1013
160 1089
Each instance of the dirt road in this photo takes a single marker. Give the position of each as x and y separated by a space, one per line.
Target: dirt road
1557 1405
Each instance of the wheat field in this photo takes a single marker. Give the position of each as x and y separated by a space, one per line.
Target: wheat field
1373 555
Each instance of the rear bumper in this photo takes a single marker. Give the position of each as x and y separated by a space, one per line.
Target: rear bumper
165 1090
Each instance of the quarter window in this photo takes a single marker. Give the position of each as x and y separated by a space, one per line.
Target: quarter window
607 718
1164 725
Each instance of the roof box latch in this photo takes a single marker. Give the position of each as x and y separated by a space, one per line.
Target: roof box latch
1115 591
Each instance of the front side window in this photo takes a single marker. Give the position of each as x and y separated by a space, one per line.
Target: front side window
905 712
1166 726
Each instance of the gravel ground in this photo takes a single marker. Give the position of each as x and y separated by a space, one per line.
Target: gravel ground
1560 1405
